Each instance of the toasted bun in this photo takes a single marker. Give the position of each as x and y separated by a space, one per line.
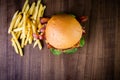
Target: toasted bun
63 31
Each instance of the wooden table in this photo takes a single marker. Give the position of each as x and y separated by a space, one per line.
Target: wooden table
99 59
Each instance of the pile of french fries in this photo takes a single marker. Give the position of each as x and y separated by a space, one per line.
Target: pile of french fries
24 24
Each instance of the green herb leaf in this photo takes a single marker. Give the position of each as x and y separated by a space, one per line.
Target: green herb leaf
70 51
55 51
82 42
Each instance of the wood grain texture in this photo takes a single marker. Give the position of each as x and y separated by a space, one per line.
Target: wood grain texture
99 59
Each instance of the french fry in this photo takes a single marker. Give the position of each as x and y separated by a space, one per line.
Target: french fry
23 35
13 22
32 8
38 2
16 13
14 45
30 37
35 44
30 40
18 34
29 23
37 7
27 9
24 24
39 27
17 20
33 28
20 23
36 10
22 42
25 5
28 31
18 44
18 29
39 14
43 11
39 11
27 38
39 44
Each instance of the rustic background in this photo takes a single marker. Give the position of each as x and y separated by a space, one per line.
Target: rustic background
99 59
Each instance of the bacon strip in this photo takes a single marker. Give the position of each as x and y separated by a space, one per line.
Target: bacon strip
83 19
44 20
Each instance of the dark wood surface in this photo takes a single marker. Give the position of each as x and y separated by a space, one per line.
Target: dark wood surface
99 59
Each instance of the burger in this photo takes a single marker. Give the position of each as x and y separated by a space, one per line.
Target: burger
62 33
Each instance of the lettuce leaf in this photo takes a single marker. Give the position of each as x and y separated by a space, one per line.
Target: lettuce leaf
82 42
55 51
70 51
